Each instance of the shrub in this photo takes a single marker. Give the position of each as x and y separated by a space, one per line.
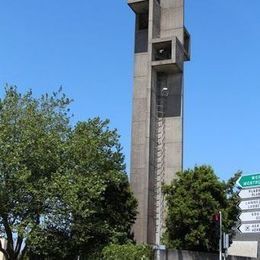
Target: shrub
127 252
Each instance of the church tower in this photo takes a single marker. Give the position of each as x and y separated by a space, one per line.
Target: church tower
162 45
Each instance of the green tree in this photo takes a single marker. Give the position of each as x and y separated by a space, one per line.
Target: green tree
192 199
93 190
63 189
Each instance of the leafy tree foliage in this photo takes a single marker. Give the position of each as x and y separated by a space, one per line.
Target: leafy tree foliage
63 189
127 252
192 199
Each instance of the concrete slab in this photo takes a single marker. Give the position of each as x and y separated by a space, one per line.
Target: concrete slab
141 64
243 249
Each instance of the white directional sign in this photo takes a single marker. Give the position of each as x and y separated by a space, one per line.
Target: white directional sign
249 193
250 228
249 204
250 216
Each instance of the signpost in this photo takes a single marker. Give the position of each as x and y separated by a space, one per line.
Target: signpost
249 204
250 228
250 216
249 193
249 181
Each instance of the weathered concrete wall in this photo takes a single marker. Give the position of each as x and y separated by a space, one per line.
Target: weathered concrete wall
189 255
139 179
172 18
240 258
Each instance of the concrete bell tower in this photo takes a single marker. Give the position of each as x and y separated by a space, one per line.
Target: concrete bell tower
162 45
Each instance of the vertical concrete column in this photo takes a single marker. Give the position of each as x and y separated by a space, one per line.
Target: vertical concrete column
140 118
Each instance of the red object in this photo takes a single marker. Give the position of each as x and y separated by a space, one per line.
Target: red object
216 217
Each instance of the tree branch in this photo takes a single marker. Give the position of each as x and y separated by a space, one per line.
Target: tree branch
8 231
18 245
3 250
23 252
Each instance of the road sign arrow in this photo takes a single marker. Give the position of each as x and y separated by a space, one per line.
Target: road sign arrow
249 204
249 193
250 228
250 216
249 181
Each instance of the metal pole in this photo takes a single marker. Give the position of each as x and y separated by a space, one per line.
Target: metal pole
220 235
224 244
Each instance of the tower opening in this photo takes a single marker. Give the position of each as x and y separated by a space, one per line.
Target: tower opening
143 21
162 51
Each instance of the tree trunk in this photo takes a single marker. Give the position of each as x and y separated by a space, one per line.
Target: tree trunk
4 253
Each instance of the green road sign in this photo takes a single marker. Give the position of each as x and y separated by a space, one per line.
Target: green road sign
248 181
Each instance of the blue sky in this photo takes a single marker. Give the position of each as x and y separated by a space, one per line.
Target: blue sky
87 47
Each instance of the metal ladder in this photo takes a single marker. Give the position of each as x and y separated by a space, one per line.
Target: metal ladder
159 170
